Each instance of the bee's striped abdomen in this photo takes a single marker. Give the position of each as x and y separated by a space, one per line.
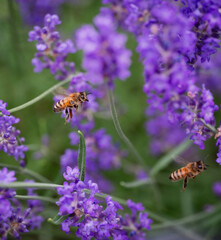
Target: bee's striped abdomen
178 174
59 106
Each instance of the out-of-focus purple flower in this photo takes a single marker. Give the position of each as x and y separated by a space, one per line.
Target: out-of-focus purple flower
7 176
9 134
52 52
217 188
105 55
164 135
14 220
209 73
92 219
33 11
43 147
208 208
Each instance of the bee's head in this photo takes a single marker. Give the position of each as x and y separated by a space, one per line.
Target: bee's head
201 165
83 96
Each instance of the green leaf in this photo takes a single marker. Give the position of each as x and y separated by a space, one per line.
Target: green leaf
57 219
81 156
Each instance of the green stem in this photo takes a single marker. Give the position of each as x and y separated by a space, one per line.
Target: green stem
38 98
26 171
119 129
19 185
168 158
45 199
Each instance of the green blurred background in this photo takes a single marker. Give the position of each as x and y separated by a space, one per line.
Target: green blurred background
19 84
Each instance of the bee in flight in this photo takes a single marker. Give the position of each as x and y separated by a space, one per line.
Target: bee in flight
191 170
71 101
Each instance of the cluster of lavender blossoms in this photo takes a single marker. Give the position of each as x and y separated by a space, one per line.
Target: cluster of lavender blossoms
10 142
94 220
52 52
15 220
170 40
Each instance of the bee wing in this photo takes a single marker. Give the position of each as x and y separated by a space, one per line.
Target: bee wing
61 92
180 160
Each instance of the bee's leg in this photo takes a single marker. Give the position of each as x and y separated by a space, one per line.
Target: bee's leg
185 183
70 111
66 115
76 107
193 177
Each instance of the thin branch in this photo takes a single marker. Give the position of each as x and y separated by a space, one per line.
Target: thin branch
20 185
38 98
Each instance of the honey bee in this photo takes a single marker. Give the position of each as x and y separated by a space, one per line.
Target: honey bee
69 102
191 170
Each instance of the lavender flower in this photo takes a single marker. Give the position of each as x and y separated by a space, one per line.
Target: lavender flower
105 55
14 220
9 135
52 52
93 220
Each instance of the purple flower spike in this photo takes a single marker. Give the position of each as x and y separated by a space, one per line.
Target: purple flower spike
105 55
9 135
52 52
94 221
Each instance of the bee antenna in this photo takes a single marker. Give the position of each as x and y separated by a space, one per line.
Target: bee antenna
88 93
